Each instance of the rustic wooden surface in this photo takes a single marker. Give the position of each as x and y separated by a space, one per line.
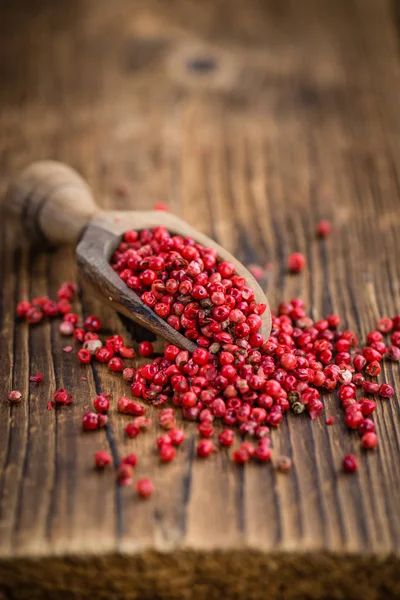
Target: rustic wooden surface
251 120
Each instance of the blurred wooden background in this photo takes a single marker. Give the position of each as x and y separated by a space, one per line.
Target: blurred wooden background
252 120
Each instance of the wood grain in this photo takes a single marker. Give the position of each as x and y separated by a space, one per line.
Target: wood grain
291 116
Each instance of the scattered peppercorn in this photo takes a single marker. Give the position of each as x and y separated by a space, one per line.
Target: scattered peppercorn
283 464
296 262
130 459
84 356
324 228
15 396
144 488
125 474
90 421
350 464
37 378
102 459
205 448
234 375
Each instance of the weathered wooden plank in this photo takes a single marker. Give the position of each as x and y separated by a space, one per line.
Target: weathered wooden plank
296 119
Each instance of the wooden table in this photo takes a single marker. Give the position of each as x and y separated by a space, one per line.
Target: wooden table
252 120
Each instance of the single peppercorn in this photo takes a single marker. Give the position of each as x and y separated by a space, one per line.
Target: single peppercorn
369 440
283 464
366 426
296 262
144 488
176 436
33 315
386 391
66 328
115 364
146 349
90 421
263 452
37 378
15 396
167 452
226 437
130 459
323 228
204 448
132 430
350 464
102 459
84 356
124 474
22 308
92 323
102 403
61 396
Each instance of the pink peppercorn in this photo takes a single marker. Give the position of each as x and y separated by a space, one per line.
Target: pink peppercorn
204 448
134 408
90 421
226 437
386 391
393 353
146 349
102 459
132 430
206 430
144 488
350 464
385 325
241 456
84 356
101 403
61 396
104 354
130 459
263 452
367 406
50 309
330 421
92 323
176 436
71 318
296 262
33 315
370 387
369 440
37 378
167 452
283 464
373 369
323 228
366 426
124 474
15 396
126 352
115 364
22 308
79 334
354 419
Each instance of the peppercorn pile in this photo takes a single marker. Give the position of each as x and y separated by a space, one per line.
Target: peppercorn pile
234 376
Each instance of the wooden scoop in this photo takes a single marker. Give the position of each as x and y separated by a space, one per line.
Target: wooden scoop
55 206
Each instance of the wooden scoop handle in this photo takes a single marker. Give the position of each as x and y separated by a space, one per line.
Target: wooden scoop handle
52 202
